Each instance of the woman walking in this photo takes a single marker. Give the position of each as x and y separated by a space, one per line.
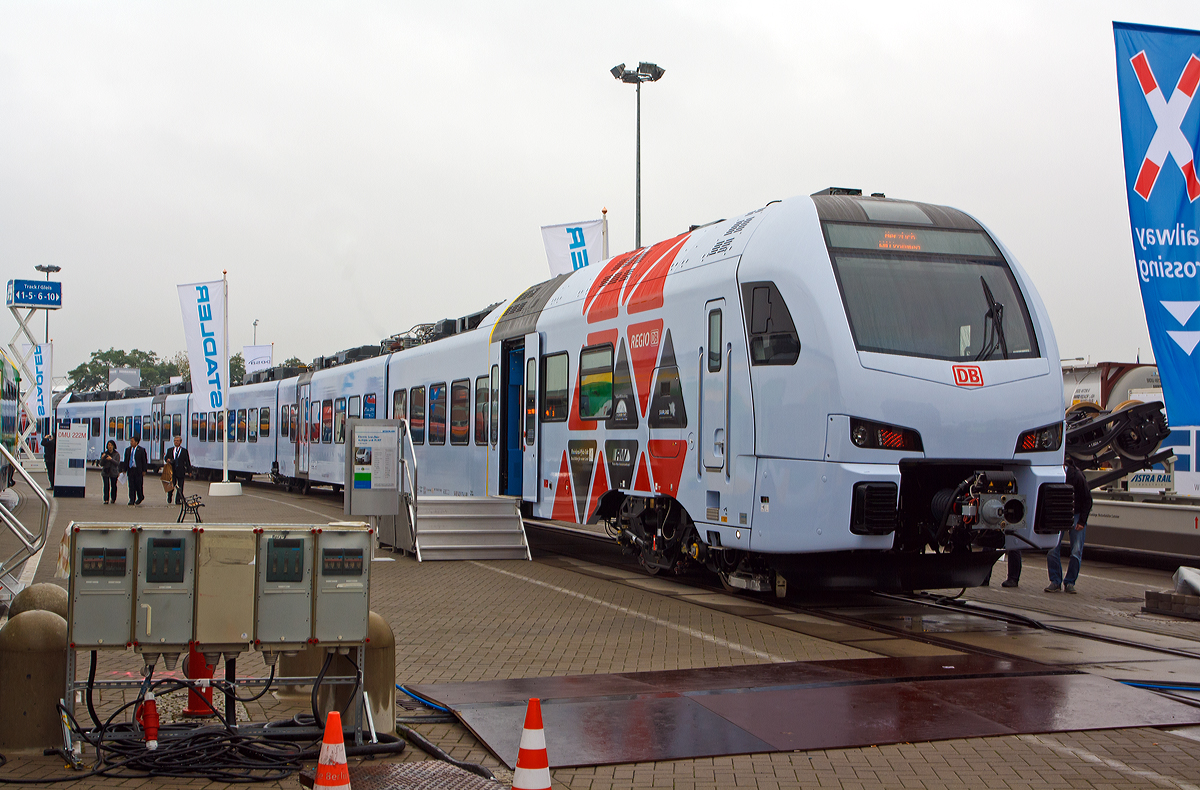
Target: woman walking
110 468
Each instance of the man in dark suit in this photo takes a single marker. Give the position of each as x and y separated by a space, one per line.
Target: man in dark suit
135 467
181 467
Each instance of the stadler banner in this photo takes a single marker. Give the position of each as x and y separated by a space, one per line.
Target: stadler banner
573 245
1158 70
38 396
203 306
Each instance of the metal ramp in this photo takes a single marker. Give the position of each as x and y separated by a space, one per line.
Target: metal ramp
470 528
12 580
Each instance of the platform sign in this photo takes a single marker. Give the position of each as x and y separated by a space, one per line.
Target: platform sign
70 460
1158 72
35 293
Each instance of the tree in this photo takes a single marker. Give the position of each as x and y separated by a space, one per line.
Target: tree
237 367
93 374
184 368
294 362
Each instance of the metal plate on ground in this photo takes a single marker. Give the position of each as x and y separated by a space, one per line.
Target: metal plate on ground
687 714
420 775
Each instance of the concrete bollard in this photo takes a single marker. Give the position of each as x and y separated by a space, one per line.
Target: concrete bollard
33 677
46 597
379 678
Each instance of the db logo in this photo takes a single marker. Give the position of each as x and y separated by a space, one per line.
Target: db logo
968 376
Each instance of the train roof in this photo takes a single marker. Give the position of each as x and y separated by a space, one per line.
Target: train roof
844 206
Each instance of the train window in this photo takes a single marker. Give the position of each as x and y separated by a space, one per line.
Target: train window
460 412
264 422
220 423
129 428
252 425
773 337
531 412
196 424
714 341
203 436
494 431
176 425
231 434
556 401
327 421
368 412
95 426
596 382
112 427
241 425
437 413
137 426
481 410
314 422
146 430
353 408
283 421
400 405
339 421
416 414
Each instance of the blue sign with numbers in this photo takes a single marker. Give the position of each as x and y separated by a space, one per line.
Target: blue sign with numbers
34 293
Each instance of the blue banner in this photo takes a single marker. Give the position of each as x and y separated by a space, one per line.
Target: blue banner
1158 70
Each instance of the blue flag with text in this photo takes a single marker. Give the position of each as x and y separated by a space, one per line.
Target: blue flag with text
1158 71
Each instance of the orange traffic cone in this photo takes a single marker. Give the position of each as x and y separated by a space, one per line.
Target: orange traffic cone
533 764
332 771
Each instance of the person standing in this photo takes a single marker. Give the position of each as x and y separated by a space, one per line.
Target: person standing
110 468
181 466
135 466
48 452
1083 507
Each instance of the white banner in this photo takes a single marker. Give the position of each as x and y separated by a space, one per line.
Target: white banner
124 378
38 398
258 357
573 245
203 306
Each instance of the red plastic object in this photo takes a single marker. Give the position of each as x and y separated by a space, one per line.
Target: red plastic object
195 668
147 716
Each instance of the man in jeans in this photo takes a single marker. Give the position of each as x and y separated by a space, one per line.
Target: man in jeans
1083 506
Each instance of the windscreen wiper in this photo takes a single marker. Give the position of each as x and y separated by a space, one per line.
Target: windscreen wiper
994 318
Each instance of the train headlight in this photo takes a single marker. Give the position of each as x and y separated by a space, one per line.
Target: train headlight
878 436
1041 440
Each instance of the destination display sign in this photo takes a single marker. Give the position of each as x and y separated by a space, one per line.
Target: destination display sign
35 293
886 238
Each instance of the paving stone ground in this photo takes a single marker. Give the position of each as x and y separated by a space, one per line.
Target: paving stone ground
468 621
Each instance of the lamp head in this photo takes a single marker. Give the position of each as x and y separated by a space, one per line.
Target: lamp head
618 71
650 72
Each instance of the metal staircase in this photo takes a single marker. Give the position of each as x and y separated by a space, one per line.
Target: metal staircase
470 528
12 581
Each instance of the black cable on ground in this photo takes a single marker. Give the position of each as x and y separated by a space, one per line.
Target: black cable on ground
422 743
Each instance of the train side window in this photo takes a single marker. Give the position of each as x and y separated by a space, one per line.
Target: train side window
773 337
128 427
368 411
556 401
494 430
146 429
437 413
196 424
416 411
264 422
203 436
252 425
596 382
354 407
714 341
241 425
219 424
95 426
327 421
531 408
460 412
314 422
112 427
400 405
339 421
176 425
293 423
481 411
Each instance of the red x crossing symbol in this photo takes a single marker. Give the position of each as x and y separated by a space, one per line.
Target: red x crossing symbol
1168 115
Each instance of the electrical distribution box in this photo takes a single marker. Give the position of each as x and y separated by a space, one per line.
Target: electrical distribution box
102 571
165 577
343 583
224 588
285 560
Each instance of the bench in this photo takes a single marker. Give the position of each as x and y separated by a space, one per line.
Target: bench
190 506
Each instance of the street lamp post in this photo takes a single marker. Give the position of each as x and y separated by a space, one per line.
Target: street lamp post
255 331
48 269
646 72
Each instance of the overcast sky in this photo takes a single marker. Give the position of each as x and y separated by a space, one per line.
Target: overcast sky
359 168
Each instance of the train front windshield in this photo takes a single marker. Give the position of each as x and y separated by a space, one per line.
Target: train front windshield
921 292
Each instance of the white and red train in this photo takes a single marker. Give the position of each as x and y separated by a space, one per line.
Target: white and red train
847 391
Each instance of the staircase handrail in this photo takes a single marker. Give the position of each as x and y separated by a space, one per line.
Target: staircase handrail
31 543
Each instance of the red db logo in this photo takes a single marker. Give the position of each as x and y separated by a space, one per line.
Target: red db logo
968 376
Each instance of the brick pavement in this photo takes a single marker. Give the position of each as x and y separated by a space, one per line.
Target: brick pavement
473 621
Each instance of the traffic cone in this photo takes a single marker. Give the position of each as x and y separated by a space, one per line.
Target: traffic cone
332 771
533 764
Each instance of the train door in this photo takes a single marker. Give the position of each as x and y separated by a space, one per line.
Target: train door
302 403
156 435
512 375
493 421
714 381
530 485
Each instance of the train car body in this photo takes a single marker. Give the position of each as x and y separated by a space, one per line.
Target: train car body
335 395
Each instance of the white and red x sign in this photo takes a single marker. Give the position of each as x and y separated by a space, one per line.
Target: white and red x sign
1168 138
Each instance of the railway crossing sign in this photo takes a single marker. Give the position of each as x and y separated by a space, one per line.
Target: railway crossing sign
1164 199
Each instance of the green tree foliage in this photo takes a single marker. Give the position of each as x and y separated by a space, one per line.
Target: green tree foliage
294 362
93 374
237 368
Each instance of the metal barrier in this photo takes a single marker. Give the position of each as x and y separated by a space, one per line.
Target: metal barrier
31 543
